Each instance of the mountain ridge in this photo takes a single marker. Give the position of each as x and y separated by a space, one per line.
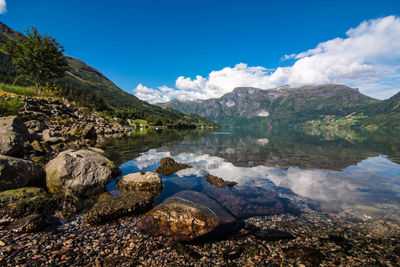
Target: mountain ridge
281 106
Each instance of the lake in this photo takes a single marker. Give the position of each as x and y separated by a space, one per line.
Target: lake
341 172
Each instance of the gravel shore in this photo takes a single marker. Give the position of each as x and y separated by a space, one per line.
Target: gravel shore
318 239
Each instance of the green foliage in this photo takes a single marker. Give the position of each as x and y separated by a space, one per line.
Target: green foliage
9 105
38 57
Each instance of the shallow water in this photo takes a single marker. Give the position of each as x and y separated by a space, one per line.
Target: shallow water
355 174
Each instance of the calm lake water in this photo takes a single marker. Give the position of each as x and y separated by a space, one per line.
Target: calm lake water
339 172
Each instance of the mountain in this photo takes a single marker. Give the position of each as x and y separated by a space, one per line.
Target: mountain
88 86
375 116
247 106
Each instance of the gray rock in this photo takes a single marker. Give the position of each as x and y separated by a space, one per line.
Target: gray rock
13 136
16 173
82 172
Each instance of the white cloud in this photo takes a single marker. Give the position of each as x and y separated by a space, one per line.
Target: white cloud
3 6
368 58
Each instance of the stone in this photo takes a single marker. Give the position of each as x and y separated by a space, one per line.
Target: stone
108 208
82 172
13 136
28 224
169 166
15 173
147 181
186 216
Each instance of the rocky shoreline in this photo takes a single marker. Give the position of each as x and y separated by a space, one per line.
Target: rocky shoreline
54 209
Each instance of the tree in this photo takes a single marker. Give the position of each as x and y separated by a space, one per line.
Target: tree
38 57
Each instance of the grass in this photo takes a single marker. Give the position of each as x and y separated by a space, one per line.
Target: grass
9 104
18 90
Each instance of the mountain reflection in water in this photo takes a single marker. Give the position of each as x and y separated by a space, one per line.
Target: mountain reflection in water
334 174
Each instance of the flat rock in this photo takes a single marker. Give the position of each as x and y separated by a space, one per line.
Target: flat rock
13 136
82 173
16 173
169 166
217 181
147 181
186 216
108 208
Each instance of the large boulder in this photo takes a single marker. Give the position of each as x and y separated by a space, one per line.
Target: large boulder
108 208
82 172
13 136
186 216
147 181
15 173
169 166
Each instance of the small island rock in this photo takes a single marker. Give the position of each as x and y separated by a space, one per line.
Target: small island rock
169 166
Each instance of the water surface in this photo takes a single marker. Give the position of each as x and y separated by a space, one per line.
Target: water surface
354 174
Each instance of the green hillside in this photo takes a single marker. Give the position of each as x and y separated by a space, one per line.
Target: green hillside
89 87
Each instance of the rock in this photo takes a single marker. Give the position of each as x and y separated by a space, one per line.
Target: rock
25 201
28 224
82 173
147 181
169 166
186 216
273 235
82 130
108 208
15 173
41 149
13 136
51 137
218 182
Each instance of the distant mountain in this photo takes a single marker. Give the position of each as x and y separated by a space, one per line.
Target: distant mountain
88 84
375 116
247 106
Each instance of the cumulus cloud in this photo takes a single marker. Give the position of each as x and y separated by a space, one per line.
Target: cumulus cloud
367 58
3 6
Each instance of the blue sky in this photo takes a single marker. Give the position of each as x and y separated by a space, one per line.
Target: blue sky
153 43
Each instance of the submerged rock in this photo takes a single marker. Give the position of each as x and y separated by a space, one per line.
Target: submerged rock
218 182
16 173
251 202
70 206
108 208
82 172
169 166
13 136
186 216
146 181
